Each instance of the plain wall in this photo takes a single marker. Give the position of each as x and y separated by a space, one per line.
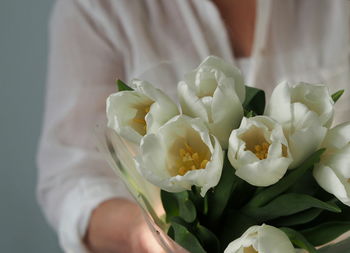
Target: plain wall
23 56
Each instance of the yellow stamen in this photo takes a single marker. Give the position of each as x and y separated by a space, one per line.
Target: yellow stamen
190 160
139 121
257 148
189 148
187 157
204 164
182 171
261 151
195 156
182 152
250 250
284 151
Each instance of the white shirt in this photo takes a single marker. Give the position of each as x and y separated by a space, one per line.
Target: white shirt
244 65
94 42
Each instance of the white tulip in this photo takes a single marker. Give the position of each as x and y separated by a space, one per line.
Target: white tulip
333 171
180 154
214 92
132 114
305 111
306 138
261 239
313 97
259 151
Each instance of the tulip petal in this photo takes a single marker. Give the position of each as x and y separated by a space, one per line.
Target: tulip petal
317 98
160 161
205 82
255 135
306 140
121 110
273 240
207 102
340 161
143 110
248 238
332 183
161 111
333 173
262 239
204 178
224 121
150 157
265 172
229 71
191 105
338 136
214 85
279 107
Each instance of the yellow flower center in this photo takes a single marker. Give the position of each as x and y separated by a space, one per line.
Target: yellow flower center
261 150
256 142
250 250
139 122
190 160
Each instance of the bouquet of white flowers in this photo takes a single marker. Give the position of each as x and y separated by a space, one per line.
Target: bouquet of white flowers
222 173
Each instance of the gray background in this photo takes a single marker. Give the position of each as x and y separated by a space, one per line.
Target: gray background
23 53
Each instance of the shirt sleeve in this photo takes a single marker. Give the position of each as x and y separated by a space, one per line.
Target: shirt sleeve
73 177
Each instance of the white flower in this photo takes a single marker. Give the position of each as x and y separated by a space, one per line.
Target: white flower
132 114
214 92
333 172
259 151
181 154
261 239
305 111
313 97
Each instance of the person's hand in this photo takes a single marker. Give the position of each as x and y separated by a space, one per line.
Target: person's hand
118 226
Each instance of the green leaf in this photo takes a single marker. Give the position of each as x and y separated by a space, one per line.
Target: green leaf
208 239
249 114
187 209
178 204
288 204
337 95
232 226
299 240
241 195
122 86
170 205
345 215
254 100
186 239
286 182
326 232
299 218
196 198
171 233
306 185
332 217
219 196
